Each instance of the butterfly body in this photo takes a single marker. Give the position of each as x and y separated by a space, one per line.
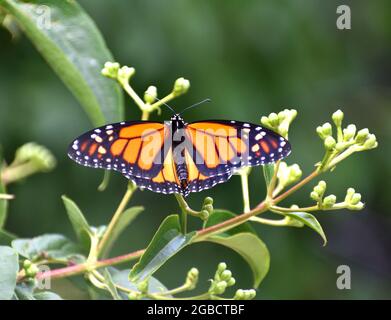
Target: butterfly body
177 157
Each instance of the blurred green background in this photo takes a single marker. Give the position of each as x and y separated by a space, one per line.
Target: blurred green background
251 58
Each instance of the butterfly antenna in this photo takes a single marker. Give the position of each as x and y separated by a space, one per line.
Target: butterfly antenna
195 105
173 111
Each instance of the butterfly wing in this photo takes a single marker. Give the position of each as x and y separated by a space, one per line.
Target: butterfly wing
140 150
218 148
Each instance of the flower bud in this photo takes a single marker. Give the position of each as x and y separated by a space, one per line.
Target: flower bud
349 194
26 264
40 156
125 73
325 130
220 287
349 132
208 200
204 214
266 122
192 278
274 121
356 198
110 69
181 86
329 143
250 294
371 142
358 206
143 285
231 282
329 201
221 267
226 275
150 94
239 294
337 117
362 135
314 196
134 295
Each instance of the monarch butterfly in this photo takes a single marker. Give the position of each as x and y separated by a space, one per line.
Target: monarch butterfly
175 156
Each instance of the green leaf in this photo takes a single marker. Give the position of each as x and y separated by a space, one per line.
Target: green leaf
268 172
310 221
9 268
6 237
244 240
125 219
24 291
251 248
80 225
111 285
121 277
49 246
219 215
47 295
72 45
167 241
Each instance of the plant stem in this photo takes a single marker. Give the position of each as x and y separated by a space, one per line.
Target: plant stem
245 191
273 181
296 186
4 196
275 223
18 172
116 216
81 268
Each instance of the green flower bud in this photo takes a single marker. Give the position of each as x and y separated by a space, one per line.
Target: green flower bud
220 287
110 69
329 143
273 118
239 294
340 146
349 194
371 142
125 73
40 156
329 201
337 117
26 264
282 115
315 196
231 282
324 131
134 295
150 94
181 86
226 275
208 200
192 278
204 214
356 198
349 132
221 267
250 294
32 271
143 285
265 121
208 208
362 135
283 128
358 206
